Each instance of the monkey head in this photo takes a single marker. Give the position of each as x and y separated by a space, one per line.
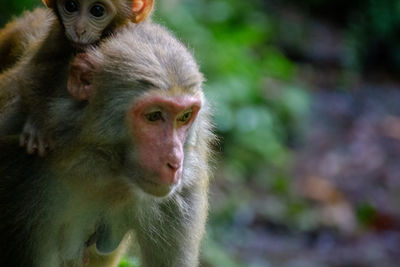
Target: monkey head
87 21
154 104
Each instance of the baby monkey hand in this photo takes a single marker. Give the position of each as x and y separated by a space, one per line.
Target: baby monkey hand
35 139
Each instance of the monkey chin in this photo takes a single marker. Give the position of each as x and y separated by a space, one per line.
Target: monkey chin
156 189
80 47
149 183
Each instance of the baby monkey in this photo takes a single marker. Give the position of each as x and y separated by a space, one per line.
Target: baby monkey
79 24
87 21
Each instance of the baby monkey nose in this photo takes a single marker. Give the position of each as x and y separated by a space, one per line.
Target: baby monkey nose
80 31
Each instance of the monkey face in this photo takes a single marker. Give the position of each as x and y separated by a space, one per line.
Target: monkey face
152 107
159 126
85 20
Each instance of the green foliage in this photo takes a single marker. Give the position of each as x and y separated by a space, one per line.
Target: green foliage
366 213
374 36
129 262
12 8
214 253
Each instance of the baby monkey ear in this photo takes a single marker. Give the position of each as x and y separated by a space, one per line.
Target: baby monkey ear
49 3
141 9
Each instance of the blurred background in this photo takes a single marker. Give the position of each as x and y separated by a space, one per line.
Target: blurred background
307 106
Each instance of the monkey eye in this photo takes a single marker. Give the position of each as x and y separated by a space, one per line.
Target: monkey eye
71 6
154 116
185 117
97 11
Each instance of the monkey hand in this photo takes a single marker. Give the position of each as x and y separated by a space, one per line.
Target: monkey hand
108 239
34 139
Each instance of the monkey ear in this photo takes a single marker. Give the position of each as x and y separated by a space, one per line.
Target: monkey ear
80 76
141 9
48 3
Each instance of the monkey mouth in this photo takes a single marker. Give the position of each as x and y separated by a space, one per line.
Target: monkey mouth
148 182
80 46
155 189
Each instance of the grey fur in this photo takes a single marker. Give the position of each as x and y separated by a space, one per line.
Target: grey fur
88 180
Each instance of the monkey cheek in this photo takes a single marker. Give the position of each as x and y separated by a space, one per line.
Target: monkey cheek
71 36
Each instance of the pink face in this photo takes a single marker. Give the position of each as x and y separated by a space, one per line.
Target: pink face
160 126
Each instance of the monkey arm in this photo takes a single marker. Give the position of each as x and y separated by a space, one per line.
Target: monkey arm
21 199
19 108
35 57
11 115
18 35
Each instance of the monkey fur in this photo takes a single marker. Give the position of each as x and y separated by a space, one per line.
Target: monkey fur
79 203
53 51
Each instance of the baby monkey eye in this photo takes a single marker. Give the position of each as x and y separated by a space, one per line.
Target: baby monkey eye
71 6
185 117
97 11
154 116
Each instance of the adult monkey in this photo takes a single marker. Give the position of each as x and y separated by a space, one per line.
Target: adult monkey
134 157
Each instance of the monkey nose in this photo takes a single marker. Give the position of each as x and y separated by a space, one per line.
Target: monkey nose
171 173
174 166
79 32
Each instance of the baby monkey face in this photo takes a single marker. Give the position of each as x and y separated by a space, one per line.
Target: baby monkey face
85 20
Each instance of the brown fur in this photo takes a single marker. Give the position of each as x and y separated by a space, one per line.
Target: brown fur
15 39
46 57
